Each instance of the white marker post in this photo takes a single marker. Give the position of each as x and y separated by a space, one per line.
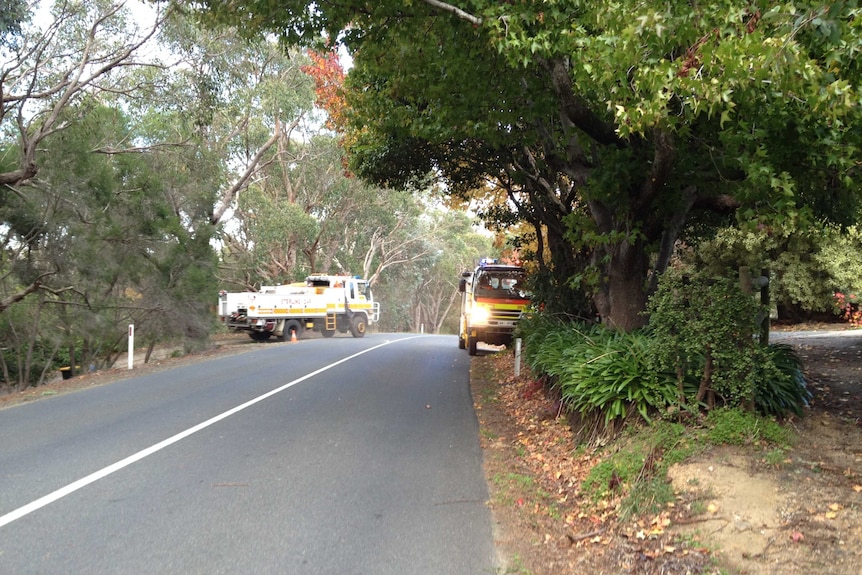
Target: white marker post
517 357
131 345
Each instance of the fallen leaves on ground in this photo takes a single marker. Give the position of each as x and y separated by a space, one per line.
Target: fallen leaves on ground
535 471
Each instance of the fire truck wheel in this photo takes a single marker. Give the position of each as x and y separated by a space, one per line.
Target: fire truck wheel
291 325
461 343
471 345
358 326
327 332
259 335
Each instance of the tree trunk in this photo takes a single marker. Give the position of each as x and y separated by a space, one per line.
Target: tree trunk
623 300
150 347
706 381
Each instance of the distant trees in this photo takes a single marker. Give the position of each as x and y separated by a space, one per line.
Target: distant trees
145 164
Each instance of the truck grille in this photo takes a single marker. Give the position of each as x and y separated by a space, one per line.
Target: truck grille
505 314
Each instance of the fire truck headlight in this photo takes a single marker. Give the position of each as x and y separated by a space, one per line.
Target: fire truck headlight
480 315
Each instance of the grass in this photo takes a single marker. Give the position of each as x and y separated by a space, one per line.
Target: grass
513 486
515 567
637 469
776 457
489 434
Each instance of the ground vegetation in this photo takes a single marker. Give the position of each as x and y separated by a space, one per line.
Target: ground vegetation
735 494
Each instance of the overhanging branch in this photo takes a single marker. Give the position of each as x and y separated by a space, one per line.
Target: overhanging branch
475 20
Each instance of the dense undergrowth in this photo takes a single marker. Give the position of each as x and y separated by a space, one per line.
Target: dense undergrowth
701 350
698 375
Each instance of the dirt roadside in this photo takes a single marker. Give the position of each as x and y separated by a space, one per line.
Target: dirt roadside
161 359
738 510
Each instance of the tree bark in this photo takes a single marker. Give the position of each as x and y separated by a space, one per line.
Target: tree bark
626 298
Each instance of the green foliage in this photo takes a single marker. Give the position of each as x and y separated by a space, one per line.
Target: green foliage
701 338
597 370
734 426
546 339
609 373
781 385
570 297
705 328
13 14
806 265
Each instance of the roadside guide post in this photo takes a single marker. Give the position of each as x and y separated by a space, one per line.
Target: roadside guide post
131 345
517 357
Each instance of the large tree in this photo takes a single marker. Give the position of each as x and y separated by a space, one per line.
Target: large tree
611 125
62 63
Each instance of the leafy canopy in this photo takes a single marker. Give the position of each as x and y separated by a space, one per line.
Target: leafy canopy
610 125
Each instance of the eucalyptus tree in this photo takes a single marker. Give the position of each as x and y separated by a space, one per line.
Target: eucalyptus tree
81 50
109 246
613 126
423 293
457 247
306 213
76 53
13 13
239 104
297 217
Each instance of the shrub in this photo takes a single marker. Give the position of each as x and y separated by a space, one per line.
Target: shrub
596 370
609 373
781 385
699 349
705 328
847 308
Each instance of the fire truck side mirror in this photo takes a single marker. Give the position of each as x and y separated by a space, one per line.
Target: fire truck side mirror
462 285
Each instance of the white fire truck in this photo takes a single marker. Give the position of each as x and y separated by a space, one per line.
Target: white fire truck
493 298
324 303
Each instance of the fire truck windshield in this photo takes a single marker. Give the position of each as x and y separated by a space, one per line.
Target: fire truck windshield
501 284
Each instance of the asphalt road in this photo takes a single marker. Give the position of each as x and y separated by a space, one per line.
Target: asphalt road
326 456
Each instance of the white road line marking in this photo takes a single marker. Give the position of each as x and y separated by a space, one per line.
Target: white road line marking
105 471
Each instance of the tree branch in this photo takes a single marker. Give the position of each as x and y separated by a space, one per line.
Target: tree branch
474 20
576 109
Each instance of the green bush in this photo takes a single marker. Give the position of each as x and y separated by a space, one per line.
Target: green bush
597 371
781 385
546 339
706 329
700 341
609 373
